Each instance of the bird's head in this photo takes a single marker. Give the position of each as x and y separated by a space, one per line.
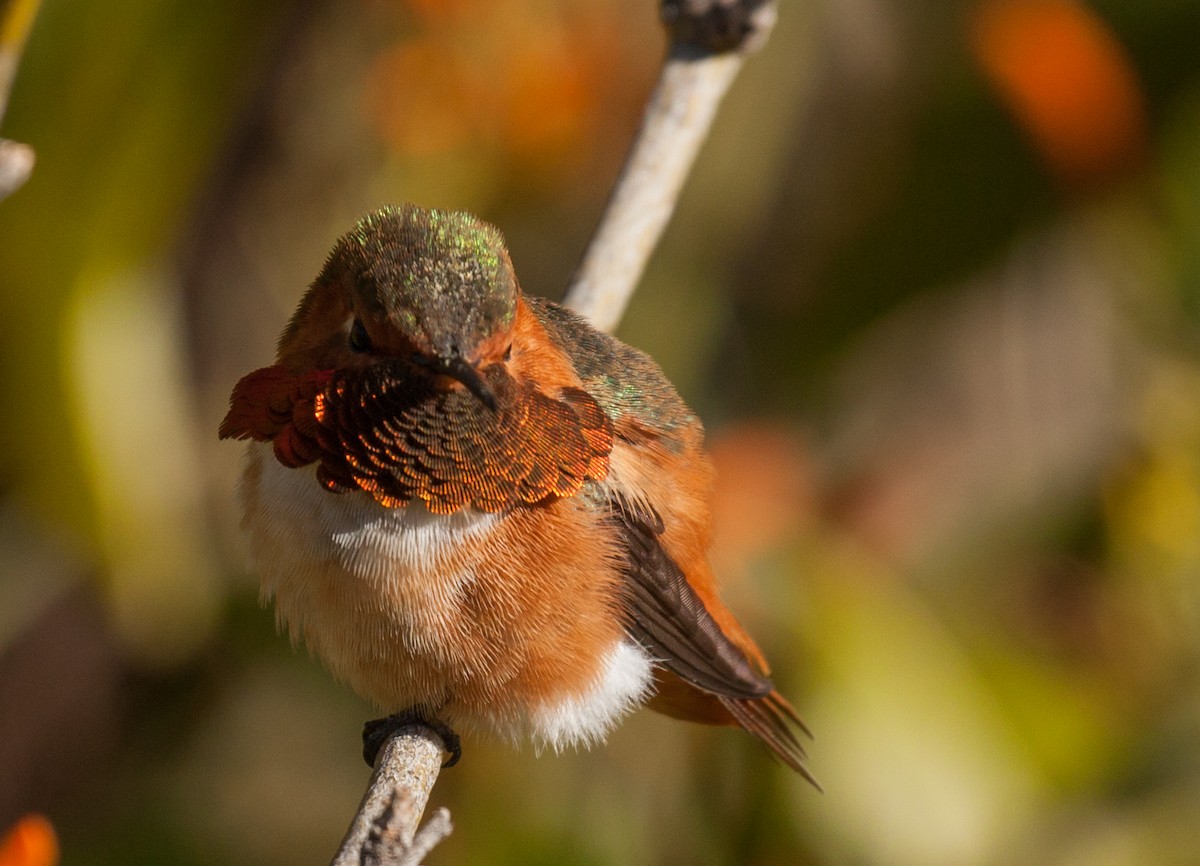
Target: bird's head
432 290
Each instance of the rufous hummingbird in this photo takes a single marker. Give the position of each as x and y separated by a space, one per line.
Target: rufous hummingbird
475 508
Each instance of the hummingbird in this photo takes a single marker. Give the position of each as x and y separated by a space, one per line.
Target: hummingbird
480 511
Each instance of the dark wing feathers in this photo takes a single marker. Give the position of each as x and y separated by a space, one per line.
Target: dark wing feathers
771 720
665 616
670 621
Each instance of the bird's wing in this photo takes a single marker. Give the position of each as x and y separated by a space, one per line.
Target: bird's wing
667 617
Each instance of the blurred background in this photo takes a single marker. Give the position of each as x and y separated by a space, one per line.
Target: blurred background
934 288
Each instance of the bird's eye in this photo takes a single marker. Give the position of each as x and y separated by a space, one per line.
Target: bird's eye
508 353
360 341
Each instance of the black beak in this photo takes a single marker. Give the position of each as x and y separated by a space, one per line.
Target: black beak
462 370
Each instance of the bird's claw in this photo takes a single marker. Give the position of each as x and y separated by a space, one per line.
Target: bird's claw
377 731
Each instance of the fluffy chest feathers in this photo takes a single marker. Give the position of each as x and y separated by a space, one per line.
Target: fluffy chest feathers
496 621
321 553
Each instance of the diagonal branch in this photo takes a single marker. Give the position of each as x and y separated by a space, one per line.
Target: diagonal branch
709 40
16 20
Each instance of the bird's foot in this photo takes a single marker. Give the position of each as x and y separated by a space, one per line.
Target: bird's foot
377 731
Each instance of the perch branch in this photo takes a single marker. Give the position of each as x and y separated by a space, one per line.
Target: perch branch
16 20
709 41
384 831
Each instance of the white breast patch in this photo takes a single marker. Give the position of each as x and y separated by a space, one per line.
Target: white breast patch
586 719
316 551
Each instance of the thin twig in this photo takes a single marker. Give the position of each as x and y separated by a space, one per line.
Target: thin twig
437 828
709 40
16 20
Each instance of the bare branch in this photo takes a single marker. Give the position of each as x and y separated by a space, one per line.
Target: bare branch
16 20
437 828
709 42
